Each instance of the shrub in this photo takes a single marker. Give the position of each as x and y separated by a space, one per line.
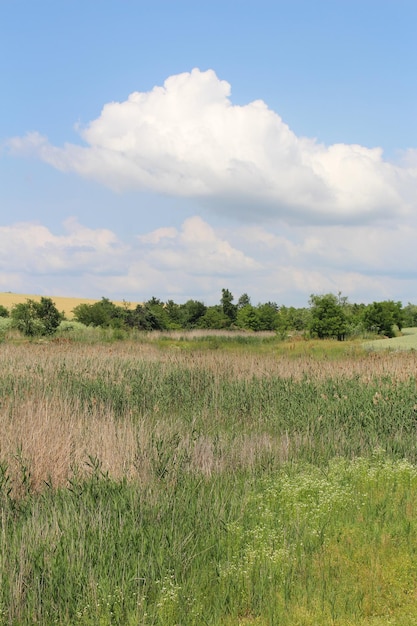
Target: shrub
36 318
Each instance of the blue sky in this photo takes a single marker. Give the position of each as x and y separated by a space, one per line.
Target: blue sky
174 148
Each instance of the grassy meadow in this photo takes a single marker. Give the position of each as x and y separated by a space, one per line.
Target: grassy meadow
191 480
407 340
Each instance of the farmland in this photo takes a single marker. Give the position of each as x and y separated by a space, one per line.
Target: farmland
192 479
64 304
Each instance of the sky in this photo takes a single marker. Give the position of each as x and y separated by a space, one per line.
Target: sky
173 149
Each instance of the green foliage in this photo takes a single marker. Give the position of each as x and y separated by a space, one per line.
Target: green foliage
25 319
214 318
3 311
149 316
268 316
229 309
173 311
192 313
49 315
380 317
36 318
5 324
294 319
248 318
157 314
103 313
244 300
263 317
328 317
410 315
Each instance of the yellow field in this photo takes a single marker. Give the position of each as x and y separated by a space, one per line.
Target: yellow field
65 304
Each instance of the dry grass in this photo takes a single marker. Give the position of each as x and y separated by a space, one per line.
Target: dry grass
65 304
51 442
202 518
50 434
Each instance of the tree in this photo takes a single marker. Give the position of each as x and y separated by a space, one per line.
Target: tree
381 317
3 311
191 313
49 315
157 313
139 318
229 309
214 318
410 315
152 315
36 318
103 313
248 318
328 317
173 312
268 316
290 318
244 300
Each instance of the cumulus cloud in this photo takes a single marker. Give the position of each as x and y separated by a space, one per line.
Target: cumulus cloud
196 260
32 248
188 261
196 248
187 139
365 249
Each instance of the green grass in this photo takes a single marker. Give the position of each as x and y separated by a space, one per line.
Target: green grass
315 545
261 343
256 489
407 341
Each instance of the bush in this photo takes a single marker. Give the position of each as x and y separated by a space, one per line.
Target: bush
36 318
103 313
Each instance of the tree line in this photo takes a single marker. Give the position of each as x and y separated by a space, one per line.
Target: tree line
327 316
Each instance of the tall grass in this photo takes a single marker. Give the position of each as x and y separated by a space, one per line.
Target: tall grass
142 483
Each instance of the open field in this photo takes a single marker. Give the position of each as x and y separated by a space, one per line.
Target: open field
214 481
407 341
65 304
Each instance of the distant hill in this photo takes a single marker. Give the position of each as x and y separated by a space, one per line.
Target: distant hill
65 304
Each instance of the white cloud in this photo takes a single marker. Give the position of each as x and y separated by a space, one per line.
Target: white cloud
188 139
196 260
32 248
192 261
385 249
196 249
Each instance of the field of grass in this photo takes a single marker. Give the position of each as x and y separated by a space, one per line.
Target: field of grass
230 482
63 304
407 341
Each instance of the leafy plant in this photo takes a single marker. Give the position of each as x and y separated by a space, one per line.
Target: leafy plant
36 318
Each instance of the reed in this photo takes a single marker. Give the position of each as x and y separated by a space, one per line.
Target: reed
142 482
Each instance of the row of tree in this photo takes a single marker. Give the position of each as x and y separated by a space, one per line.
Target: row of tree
328 316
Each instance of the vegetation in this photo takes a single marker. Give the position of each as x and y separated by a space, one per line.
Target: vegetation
36 318
381 317
328 316
406 341
238 481
9 299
